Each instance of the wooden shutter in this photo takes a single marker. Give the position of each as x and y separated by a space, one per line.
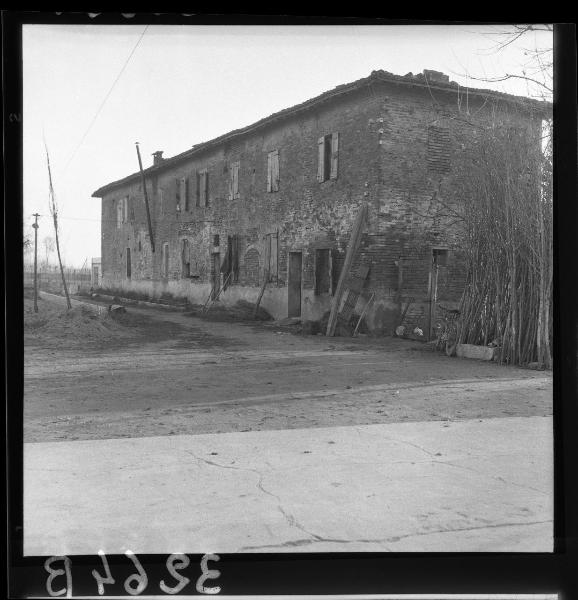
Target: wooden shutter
183 192
235 180
206 188
198 189
334 155
275 171
269 173
320 159
187 193
438 149
203 188
273 253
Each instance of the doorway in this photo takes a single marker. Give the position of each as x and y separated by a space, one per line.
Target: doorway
215 274
294 284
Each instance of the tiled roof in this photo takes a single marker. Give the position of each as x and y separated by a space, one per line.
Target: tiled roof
419 80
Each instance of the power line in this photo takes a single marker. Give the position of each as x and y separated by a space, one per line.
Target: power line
105 99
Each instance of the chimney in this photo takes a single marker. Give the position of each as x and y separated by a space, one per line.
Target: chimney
157 157
436 76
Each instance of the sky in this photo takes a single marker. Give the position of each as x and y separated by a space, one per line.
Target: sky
90 92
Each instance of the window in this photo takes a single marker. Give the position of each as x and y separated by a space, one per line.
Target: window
273 171
328 155
128 264
161 201
186 259
438 149
122 211
271 255
230 266
234 181
203 188
440 257
323 279
165 261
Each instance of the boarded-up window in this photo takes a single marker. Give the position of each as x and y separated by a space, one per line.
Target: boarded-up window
271 255
273 171
327 157
185 259
122 211
438 149
323 278
203 188
165 261
234 181
251 267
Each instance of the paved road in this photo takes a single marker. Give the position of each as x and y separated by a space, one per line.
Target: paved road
411 487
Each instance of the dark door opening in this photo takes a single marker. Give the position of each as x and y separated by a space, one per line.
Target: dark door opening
294 284
215 274
128 264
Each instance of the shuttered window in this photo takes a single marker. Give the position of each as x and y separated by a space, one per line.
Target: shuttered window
438 149
203 188
327 157
183 196
234 181
273 171
271 263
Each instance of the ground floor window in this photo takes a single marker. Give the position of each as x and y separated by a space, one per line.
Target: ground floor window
323 279
165 261
128 264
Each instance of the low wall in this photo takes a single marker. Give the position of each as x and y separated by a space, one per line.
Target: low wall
381 317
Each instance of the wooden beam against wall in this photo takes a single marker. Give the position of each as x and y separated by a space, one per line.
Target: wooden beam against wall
352 248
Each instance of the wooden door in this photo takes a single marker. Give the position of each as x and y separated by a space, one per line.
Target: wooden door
294 284
215 273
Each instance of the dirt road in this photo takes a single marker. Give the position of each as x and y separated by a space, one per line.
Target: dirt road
171 373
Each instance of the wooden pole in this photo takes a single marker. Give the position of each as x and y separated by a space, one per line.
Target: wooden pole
261 293
55 219
352 248
146 197
35 225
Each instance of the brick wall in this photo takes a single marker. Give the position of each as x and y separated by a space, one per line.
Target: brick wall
386 158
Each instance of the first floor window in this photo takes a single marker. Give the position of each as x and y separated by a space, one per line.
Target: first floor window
273 171
327 157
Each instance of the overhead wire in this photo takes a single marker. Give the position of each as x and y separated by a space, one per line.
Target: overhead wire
105 99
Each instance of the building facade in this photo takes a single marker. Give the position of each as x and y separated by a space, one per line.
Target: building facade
274 203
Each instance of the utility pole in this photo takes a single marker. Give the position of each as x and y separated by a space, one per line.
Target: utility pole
146 198
35 225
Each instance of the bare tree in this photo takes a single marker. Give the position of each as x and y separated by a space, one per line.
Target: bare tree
537 68
49 244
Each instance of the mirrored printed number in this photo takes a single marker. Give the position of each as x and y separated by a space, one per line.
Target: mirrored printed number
208 574
140 577
100 580
176 562
57 572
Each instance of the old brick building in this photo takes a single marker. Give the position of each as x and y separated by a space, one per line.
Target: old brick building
278 200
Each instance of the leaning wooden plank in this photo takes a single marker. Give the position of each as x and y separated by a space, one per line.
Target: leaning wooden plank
352 248
363 313
266 280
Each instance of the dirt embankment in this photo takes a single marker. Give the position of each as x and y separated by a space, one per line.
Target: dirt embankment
55 326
